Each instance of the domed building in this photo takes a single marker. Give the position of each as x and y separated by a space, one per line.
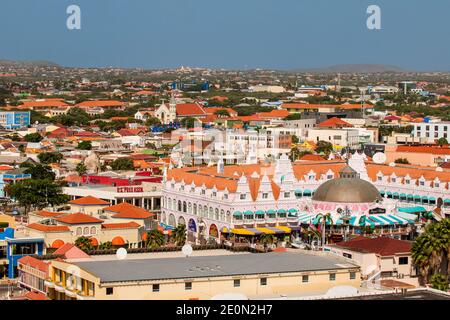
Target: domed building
351 202
348 192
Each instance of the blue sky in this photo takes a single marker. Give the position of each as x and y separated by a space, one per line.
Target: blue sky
240 34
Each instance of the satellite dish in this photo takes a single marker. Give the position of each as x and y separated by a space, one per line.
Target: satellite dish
379 158
392 164
121 253
187 250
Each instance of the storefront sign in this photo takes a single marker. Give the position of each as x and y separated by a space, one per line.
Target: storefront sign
129 189
377 211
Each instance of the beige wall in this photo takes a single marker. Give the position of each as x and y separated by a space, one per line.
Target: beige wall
90 210
208 287
9 219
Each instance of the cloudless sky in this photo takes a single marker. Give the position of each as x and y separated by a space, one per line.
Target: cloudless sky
282 34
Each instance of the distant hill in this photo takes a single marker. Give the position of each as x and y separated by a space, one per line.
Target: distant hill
11 63
356 68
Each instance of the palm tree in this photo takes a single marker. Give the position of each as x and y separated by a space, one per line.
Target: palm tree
84 243
267 239
323 219
431 250
155 239
179 235
105 245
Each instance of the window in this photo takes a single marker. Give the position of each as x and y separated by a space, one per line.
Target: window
352 275
287 194
237 283
265 195
403 260
422 183
263 281
203 191
332 276
109 291
155 288
380 178
242 197
93 230
305 278
225 196
188 286
214 194
347 255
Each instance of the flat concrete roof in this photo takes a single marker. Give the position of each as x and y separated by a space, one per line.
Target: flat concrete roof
210 266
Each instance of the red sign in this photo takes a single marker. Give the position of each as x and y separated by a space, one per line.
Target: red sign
130 189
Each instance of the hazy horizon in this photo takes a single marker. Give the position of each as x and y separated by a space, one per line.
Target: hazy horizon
234 35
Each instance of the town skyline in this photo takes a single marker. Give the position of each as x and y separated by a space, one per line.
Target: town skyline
244 36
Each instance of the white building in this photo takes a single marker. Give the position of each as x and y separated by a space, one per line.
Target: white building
337 137
432 131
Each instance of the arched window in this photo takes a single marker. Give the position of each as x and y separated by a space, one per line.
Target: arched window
86 230
195 209
228 216
211 213
79 231
205 211
190 208
179 205
184 206
93 230
200 210
222 215
169 204
216 215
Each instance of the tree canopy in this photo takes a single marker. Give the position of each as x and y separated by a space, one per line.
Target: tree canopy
37 193
50 157
33 137
84 145
122 164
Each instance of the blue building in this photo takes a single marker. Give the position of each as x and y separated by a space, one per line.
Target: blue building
17 248
15 119
11 177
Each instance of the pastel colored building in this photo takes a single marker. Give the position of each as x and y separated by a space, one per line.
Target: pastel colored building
14 119
258 275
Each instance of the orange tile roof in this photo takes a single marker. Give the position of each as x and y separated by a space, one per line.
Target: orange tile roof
48 214
31 295
190 109
78 218
89 201
420 149
128 225
128 211
48 228
311 157
382 246
100 103
273 114
334 122
34 263
44 104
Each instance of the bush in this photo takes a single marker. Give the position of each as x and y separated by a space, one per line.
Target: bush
4 225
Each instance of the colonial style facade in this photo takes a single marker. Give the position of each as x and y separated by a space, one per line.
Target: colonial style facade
212 200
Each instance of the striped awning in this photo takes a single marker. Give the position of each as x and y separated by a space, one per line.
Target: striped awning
284 228
281 211
447 201
248 213
255 231
242 232
416 196
271 211
292 210
237 213
395 194
305 217
259 212
271 230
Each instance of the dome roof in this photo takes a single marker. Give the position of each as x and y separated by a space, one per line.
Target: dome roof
349 188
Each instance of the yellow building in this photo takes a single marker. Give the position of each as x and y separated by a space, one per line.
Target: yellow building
200 277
